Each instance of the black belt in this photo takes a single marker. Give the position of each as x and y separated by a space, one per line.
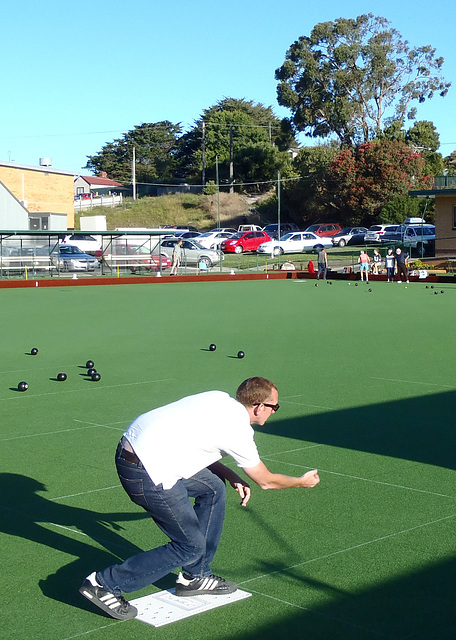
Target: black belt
130 456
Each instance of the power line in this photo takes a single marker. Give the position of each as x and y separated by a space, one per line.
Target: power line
224 185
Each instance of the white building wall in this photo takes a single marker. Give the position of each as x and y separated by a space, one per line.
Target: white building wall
13 215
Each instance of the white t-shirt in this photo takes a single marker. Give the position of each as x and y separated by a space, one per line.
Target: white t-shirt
178 440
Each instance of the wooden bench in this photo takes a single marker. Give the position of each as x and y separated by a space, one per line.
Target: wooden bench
24 264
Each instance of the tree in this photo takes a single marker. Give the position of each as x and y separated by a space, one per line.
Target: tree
362 181
304 199
248 134
450 164
155 150
423 137
353 76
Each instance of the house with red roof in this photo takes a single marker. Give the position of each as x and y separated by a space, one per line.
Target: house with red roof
96 185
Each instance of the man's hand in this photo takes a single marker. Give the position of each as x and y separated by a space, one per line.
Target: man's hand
240 485
310 479
243 490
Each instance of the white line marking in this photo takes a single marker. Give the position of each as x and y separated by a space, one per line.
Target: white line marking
90 425
60 526
46 433
345 475
430 384
102 425
324 616
92 388
86 633
287 399
311 446
353 548
84 493
306 404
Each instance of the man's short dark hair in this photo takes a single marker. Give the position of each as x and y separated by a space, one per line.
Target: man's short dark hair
254 391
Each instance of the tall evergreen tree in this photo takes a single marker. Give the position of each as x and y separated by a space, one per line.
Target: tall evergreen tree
240 132
155 150
352 77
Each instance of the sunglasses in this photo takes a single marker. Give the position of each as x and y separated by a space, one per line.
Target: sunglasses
274 407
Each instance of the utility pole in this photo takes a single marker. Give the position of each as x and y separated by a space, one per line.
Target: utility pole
203 151
218 201
133 173
231 161
218 191
278 203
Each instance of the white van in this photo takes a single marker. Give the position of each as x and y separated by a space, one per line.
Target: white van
243 228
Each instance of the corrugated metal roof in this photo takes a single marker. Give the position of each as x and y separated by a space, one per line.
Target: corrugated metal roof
31 167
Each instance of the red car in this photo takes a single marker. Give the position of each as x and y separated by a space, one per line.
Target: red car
325 229
244 241
135 258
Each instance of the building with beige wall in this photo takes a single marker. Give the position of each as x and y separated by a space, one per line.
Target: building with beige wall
41 189
445 223
444 193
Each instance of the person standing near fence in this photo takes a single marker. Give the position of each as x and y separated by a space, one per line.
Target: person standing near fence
401 263
389 264
177 258
322 263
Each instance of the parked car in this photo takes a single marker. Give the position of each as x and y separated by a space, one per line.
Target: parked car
343 237
71 258
87 244
84 196
240 242
357 239
243 228
414 236
212 239
223 229
187 234
294 243
188 227
285 227
325 229
136 258
193 253
376 231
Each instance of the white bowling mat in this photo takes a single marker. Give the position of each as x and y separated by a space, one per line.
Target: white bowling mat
164 607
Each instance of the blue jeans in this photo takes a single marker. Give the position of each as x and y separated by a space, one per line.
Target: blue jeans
194 529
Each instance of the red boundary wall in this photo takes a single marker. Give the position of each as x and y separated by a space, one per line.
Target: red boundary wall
274 275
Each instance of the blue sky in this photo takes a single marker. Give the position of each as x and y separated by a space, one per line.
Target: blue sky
77 75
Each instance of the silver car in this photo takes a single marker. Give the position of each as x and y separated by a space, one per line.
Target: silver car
343 237
73 259
192 252
376 231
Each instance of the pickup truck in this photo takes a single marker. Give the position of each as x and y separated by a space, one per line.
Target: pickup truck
417 236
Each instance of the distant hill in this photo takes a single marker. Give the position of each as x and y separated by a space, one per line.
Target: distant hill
200 211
